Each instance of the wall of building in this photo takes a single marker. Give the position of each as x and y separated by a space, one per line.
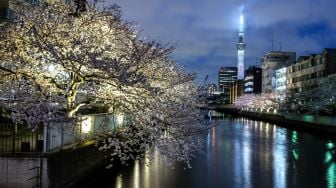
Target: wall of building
309 70
227 76
305 73
280 79
252 80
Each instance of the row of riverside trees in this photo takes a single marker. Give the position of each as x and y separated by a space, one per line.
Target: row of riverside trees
320 100
55 63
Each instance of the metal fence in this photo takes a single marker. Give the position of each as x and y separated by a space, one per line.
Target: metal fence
19 138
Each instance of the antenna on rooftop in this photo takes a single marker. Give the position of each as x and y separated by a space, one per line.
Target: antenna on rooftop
279 46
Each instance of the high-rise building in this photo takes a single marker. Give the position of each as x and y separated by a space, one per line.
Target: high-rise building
241 49
252 80
270 63
226 76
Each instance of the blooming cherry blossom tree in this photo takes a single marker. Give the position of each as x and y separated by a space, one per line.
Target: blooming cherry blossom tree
260 101
54 63
320 100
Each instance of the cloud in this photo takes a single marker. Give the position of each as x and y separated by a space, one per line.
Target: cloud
206 31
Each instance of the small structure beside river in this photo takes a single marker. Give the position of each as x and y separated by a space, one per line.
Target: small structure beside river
52 156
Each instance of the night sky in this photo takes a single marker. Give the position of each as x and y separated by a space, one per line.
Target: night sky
205 32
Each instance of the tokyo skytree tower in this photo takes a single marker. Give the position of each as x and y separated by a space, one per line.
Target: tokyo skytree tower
241 49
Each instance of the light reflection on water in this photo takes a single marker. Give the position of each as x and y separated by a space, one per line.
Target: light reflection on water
247 158
136 174
240 153
119 181
280 159
331 164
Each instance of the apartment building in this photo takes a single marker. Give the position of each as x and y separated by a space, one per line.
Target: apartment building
270 63
308 70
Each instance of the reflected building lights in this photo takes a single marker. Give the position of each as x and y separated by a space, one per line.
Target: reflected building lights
327 157
213 139
155 162
331 165
247 160
136 182
119 181
294 144
237 163
208 139
267 129
146 171
274 130
280 160
331 176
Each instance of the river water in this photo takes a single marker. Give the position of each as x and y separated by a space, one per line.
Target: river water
240 153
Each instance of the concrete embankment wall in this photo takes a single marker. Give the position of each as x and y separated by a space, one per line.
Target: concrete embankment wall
314 124
67 167
61 169
20 172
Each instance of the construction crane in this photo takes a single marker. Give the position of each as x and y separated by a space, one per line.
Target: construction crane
202 90
205 80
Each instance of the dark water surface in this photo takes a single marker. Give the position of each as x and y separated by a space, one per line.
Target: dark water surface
240 153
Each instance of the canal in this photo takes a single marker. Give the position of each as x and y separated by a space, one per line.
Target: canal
239 153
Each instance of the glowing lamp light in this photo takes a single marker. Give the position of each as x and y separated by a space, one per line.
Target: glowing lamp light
330 145
120 119
86 125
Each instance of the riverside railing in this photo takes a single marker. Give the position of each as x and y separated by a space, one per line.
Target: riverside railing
315 119
19 138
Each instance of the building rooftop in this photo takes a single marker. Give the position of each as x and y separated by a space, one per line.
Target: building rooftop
227 68
303 58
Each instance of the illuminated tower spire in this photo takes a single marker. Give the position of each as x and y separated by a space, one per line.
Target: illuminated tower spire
241 49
